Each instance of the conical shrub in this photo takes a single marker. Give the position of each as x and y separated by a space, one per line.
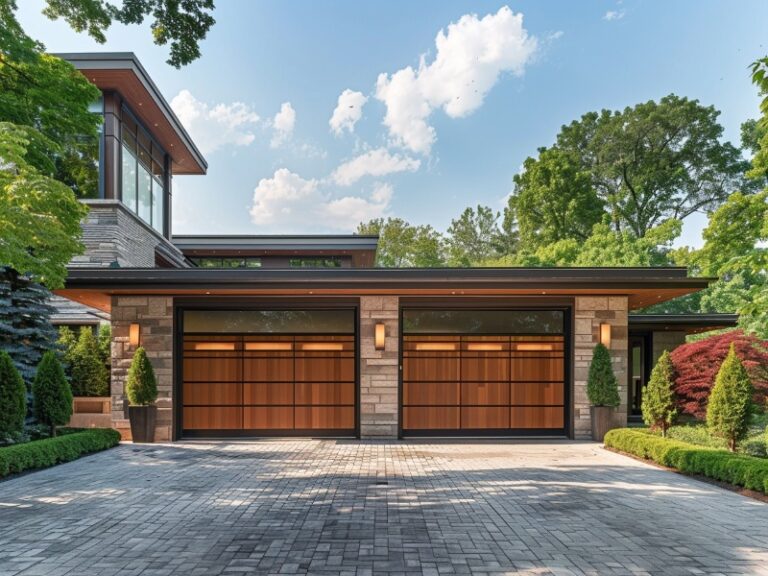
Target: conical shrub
659 407
730 404
13 398
52 396
602 387
141 387
90 376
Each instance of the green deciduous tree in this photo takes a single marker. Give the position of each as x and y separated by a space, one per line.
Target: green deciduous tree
730 404
141 387
474 236
553 199
52 396
13 399
655 161
602 386
658 406
402 245
26 332
89 374
182 23
760 136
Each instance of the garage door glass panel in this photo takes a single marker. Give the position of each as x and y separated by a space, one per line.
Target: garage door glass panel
270 321
428 321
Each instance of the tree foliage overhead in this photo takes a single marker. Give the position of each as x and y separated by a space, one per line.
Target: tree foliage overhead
655 161
402 245
182 23
475 236
696 366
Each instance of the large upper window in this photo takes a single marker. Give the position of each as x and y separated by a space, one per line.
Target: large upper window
226 262
315 262
143 174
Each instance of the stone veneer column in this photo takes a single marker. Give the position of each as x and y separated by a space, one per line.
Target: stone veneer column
154 314
379 369
590 312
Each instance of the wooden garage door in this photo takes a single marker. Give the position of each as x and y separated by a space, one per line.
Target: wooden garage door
268 385
483 384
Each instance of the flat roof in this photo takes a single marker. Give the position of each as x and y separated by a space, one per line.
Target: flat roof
643 286
277 242
122 72
689 323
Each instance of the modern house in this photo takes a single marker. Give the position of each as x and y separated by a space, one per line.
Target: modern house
302 335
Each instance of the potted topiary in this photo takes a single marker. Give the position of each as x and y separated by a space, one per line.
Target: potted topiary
141 389
602 391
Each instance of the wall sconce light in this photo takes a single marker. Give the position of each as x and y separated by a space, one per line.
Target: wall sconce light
605 334
379 336
134 335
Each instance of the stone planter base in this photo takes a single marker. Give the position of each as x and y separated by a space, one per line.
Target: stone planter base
602 421
143 420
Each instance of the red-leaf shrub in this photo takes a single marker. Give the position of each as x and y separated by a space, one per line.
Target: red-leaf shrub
697 363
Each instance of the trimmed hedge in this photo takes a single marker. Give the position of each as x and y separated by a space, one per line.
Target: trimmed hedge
52 451
737 469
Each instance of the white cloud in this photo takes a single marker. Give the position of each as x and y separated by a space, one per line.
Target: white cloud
470 57
556 35
213 127
614 15
286 202
349 109
378 162
283 124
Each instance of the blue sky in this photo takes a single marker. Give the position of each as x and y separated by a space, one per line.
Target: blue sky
430 139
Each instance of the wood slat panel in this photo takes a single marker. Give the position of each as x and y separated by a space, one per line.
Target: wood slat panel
196 393
434 369
325 417
212 369
325 369
262 369
537 369
268 418
325 393
437 418
431 393
538 393
488 393
271 393
537 417
485 369
485 417
200 418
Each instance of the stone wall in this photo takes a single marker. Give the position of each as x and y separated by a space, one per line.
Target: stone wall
154 314
113 234
589 313
667 340
379 369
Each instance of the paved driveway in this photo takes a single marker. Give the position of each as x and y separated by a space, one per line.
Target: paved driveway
328 507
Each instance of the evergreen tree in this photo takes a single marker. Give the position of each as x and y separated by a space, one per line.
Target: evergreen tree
659 408
105 344
51 393
602 387
89 374
141 387
730 404
13 398
66 343
26 332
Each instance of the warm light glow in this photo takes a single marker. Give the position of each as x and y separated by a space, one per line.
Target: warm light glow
605 335
134 336
322 346
534 347
214 345
379 336
264 346
484 346
435 346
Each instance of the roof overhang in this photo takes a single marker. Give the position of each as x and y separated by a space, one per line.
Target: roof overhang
123 73
688 323
642 286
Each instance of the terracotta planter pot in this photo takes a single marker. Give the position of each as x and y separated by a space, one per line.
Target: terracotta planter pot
602 421
143 422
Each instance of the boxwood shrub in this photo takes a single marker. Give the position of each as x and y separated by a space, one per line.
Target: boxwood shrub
737 469
52 451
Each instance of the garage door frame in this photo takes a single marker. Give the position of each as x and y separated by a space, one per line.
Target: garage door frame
560 304
182 305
